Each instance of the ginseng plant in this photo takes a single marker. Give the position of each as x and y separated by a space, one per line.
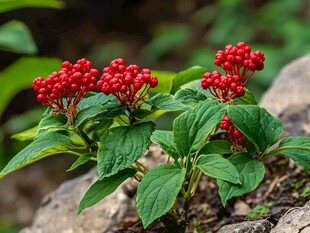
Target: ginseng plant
115 127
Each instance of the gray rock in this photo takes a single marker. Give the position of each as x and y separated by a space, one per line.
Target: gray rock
296 220
58 209
296 121
290 88
260 226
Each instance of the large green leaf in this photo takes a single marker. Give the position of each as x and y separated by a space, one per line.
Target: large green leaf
190 97
165 101
53 122
28 134
16 37
96 99
216 147
102 188
297 148
123 146
216 166
21 73
8 5
186 76
49 144
251 173
166 141
157 192
98 110
88 113
262 129
192 127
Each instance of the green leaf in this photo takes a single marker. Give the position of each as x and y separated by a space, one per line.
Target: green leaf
88 113
15 37
248 98
297 148
96 99
52 122
166 141
99 129
190 97
81 160
165 101
8 5
251 173
186 76
112 110
192 127
216 147
258 211
19 75
140 113
157 192
216 166
102 188
49 144
26 135
262 129
123 146
305 192
98 112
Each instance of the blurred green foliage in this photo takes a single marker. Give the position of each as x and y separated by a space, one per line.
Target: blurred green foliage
16 37
19 75
257 211
7 227
166 38
279 28
8 5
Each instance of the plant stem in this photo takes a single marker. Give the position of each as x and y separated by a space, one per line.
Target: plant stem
88 142
144 169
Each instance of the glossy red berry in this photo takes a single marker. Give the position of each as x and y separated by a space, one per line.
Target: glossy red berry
239 64
71 84
235 135
127 84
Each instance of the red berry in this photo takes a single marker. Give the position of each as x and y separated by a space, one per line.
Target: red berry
240 91
153 82
125 82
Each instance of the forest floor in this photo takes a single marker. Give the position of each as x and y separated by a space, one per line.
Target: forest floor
285 186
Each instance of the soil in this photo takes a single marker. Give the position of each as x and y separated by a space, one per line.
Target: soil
280 190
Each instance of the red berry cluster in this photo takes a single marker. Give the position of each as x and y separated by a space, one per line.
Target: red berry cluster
71 83
235 134
126 83
239 64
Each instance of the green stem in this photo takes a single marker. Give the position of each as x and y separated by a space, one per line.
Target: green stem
193 183
141 165
78 154
197 181
88 142
138 177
